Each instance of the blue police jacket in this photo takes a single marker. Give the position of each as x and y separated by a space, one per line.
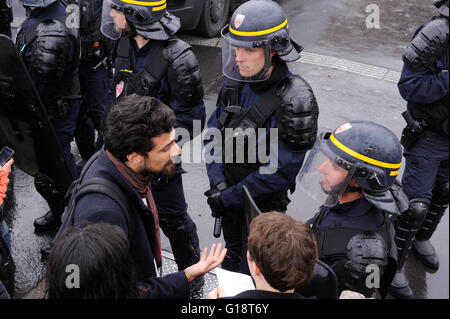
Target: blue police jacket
355 214
259 185
184 115
424 87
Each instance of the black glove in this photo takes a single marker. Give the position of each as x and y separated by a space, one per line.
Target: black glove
215 202
215 199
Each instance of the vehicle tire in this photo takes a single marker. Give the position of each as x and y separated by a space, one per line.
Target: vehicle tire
213 18
236 4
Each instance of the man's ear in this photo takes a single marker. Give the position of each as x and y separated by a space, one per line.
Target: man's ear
254 269
135 158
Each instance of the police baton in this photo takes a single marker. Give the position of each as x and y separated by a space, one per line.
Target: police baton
218 222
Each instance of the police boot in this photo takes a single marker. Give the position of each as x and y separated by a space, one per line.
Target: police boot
55 198
400 286
85 137
406 226
422 246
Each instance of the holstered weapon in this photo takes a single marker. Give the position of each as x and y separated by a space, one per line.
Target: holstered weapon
413 130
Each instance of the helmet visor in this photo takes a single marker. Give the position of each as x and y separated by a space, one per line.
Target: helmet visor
113 20
325 176
245 61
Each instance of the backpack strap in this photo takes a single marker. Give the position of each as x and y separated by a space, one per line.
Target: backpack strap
108 188
79 188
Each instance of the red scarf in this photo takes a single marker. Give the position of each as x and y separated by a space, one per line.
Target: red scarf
141 184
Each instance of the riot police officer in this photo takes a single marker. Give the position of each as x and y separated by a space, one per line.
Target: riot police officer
95 76
151 61
356 185
50 51
424 84
6 17
259 94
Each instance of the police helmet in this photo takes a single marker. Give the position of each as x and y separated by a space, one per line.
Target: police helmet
373 150
148 18
257 24
369 152
36 3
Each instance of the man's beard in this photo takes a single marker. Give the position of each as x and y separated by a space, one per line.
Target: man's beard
167 171
337 189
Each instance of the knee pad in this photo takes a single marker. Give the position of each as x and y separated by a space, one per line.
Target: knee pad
418 209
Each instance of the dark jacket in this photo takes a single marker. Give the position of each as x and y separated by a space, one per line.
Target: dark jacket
355 214
337 227
47 91
427 91
100 208
3 293
259 185
185 115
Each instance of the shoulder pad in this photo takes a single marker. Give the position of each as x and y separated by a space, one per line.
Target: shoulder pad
174 48
50 51
183 73
427 45
51 28
297 115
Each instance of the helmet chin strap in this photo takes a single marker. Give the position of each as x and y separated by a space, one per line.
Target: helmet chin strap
132 33
353 189
336 190
262 73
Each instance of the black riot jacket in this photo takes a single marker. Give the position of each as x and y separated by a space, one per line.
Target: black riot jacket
424 81
50 51
334 227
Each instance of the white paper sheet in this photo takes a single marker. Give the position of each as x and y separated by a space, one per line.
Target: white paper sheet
233 283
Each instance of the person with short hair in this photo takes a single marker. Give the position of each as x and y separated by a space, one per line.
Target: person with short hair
281 256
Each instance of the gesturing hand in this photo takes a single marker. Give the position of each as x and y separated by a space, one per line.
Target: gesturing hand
206 263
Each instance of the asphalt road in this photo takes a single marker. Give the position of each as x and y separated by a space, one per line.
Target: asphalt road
346 89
